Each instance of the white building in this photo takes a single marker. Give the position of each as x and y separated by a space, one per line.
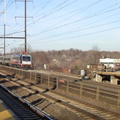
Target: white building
111 63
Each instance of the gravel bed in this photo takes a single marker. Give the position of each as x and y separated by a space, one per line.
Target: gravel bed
93 101
54 109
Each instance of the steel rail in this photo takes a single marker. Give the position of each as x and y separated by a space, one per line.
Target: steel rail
46 117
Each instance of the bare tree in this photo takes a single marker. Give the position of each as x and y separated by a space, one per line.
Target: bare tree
20 49
39 59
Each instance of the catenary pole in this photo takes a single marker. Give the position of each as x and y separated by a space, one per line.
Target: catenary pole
25 27
4 26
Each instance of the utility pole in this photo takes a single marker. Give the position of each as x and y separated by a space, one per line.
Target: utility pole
4 38
25 26
4 26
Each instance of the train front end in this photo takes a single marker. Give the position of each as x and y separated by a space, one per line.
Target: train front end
26 61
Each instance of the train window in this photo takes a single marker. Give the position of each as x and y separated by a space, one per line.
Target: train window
26 58
6 58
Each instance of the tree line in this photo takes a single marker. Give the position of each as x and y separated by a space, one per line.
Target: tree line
68 61
72 60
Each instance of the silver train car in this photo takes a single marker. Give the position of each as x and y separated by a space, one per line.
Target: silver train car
23 60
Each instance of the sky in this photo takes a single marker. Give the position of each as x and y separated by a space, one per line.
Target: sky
61 24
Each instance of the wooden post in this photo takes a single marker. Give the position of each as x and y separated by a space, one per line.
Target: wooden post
118 102
57 83
35 81
97 92
48 81
81 88
67 86
41 79
30 76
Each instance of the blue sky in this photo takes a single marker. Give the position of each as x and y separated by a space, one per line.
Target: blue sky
63 24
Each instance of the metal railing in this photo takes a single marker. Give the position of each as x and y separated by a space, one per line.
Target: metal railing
93 91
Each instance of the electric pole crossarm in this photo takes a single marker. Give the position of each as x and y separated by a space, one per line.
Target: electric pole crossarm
13 37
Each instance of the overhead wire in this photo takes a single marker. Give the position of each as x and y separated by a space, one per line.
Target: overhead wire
76 21
87 28
62 4
57 8
56 27
87 17
13 33
80 10
22 24
54 10
93 26
42 7
8 5
78 36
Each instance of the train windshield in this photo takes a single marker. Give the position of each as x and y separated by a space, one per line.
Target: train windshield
26 58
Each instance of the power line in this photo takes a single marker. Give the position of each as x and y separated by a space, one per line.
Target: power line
53 10
46 12
87 28
82 19
80 10
51 28
13 33
82 35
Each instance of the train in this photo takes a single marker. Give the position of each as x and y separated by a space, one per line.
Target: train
23 60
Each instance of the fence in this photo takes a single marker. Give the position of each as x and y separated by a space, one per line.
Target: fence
91 90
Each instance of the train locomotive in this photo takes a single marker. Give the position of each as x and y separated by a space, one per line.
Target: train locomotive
23 60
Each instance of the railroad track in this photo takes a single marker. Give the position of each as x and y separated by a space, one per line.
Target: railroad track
86 110
22 109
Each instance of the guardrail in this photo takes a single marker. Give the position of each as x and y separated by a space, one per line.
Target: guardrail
93 91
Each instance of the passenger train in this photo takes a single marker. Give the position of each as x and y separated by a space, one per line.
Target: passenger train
23 60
